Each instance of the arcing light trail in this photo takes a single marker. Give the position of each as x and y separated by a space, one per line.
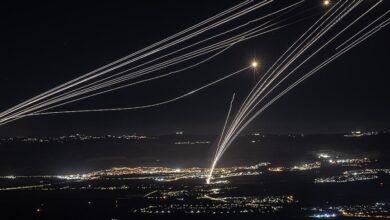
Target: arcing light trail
307 75
257 34
73 82
252 106
150 105
288 70
249 102
211 48
228 114
34 106
207 39
124 61
249 105
138 82
141 81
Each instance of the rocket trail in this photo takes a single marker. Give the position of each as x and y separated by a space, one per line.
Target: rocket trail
236 123
141 81
191 47
362 30
242 114
149 105
249 97
106 84
135 83
139 52
260 89
117 64
355 43
252 105
254 32
226 121
241 36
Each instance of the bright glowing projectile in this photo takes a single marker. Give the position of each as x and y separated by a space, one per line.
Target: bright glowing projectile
326 2
254 64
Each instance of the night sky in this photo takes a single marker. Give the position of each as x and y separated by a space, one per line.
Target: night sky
46 44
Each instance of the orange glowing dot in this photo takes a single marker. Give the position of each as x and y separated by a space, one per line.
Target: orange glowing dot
326 2
255 64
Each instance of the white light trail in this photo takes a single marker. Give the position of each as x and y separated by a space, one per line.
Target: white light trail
247 112
247 35
145 106
253 33
226 121
109 90
104 70
241 114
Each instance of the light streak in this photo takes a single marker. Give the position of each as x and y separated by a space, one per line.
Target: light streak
250 98
256 96
109 90
107 68
249 34
380 17
145 106
226 120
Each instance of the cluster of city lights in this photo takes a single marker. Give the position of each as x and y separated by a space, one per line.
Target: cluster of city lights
378 210
353 176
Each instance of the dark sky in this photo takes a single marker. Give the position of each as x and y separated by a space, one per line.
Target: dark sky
46 44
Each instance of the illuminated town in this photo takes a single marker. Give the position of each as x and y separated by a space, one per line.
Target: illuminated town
165 190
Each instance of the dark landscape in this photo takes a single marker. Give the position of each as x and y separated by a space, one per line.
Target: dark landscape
310 176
